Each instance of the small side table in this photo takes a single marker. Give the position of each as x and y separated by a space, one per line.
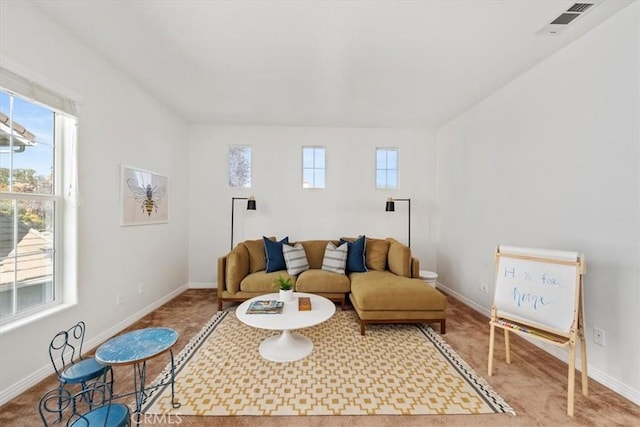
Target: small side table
135 348
429 277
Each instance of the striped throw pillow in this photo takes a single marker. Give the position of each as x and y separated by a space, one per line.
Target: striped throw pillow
295 258
335 259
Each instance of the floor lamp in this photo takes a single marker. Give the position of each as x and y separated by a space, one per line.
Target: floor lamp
391 207
251 206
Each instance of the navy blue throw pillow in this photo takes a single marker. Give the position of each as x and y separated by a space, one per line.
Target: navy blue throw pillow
355 255
275 257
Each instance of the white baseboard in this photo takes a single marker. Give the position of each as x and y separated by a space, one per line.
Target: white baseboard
477 307
560 353
23 385
99 339
202 285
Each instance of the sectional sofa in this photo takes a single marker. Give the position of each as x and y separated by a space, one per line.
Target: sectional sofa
380 277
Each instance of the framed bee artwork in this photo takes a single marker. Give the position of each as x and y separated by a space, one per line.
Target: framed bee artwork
144 197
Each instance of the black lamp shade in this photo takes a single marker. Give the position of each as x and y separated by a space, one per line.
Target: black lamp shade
391 206
251 204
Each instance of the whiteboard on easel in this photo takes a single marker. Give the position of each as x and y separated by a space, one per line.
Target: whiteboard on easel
537 287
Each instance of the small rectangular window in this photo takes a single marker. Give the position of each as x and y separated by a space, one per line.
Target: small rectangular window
386 168
313 167
239 165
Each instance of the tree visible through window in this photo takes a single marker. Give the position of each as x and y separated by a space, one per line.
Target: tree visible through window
313 167
239 164
386 168
29 205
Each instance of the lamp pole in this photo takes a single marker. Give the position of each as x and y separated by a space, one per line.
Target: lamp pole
390 207
251 206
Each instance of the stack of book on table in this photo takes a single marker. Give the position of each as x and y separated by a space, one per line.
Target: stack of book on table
265 307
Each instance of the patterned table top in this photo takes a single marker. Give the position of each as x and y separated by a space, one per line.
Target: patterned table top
136 346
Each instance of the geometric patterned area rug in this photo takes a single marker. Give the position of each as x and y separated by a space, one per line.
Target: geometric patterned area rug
393 369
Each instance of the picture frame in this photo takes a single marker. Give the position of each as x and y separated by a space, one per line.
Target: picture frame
144 197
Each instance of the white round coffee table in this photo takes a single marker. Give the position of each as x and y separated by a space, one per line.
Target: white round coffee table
288 346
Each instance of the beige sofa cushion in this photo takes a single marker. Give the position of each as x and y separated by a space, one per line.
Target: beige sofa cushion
257 256
262 281
315 252
399 259
375 254
237 267
378 290
322 281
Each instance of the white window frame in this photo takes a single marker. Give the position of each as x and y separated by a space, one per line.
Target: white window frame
230 166
386 169
314 168
64 198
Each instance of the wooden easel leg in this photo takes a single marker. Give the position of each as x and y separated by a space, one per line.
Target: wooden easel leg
491 336
583 356
583 342
572 375
507 347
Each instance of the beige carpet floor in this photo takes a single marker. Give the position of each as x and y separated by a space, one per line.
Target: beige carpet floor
534 384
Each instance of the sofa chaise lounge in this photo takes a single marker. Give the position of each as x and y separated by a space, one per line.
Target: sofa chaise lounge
388 290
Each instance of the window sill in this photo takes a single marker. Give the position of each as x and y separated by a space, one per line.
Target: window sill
19 323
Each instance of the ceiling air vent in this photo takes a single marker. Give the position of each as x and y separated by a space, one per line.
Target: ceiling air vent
557 25
565 19
580 7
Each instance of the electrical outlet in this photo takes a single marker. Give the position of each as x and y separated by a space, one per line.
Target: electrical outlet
484 288
118 299
141 288
598 336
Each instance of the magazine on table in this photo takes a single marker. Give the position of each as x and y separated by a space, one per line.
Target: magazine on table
265 307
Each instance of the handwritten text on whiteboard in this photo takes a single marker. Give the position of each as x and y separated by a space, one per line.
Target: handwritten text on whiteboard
542 293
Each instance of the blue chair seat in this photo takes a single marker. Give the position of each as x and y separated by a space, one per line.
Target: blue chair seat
118 415
82 371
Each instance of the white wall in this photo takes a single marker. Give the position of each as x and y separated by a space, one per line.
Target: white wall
552 161
348 206
118 124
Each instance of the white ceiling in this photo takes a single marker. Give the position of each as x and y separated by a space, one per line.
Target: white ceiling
322 63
